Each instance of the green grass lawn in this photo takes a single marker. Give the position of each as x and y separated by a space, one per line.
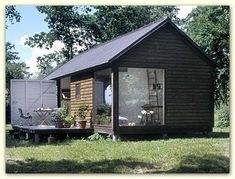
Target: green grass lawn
172 155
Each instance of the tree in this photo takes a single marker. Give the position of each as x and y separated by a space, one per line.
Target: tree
14 69
12 14
113 21
84 26
68 25
208 26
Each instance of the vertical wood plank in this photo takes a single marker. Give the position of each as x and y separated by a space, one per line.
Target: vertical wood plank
115 100
58 93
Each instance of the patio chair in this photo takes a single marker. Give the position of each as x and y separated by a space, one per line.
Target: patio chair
27 116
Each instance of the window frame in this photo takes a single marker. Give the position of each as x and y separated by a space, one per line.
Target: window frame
78 96
163 87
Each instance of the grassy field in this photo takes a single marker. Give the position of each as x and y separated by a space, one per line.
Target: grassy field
195 154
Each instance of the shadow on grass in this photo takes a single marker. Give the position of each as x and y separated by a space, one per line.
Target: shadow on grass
128 165
202 164
188 164
201 135
219 135
148 137
12 142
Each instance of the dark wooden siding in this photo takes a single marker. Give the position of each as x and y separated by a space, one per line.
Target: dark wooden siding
188 83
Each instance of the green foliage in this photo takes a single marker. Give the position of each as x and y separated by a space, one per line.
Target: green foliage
61 113
14 69
65 110
41 40
103 119
104 109
222 116
12 15
99 137
57 116
209 27
95 137
68 24
45 62
113 21
82 111
185 155
103 114
69 120
85 26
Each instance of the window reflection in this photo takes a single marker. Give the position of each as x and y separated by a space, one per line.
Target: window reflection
141 93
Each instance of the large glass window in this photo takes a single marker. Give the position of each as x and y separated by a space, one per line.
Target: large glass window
141 96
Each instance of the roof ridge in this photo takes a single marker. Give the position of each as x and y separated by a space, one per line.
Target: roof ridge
122 35
108 41
135 30
76 58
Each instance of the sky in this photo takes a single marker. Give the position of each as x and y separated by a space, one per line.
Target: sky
32 22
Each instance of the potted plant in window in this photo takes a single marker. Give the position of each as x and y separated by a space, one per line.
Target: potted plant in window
68 121
81 114
103 115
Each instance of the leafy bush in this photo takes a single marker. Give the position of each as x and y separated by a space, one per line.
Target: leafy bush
98 137
69 120
61 113
95 136
104 109
65 110
57 115
222 116
103 119
103 114
82 111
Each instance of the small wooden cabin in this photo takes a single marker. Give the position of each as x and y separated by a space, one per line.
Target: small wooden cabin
152 80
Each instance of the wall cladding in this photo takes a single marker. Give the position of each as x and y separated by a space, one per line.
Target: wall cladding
189 80
86 97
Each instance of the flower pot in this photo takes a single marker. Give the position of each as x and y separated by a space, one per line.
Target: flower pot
59 124
67 125
81 124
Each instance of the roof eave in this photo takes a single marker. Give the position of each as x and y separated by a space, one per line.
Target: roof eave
91 69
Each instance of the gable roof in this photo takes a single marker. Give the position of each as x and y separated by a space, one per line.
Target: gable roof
109 51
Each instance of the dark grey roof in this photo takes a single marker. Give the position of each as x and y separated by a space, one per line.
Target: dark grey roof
107 52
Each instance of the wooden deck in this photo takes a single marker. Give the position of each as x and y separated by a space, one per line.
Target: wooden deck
40 130
103 129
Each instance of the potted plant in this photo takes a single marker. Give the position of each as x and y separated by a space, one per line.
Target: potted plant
81 114
59 115
68 121
58 119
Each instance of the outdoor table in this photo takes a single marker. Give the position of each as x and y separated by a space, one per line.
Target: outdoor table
44 114
148 112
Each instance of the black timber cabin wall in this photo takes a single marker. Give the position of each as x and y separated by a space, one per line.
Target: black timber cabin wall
188 80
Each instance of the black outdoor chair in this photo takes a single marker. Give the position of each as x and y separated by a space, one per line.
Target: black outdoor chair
27 116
